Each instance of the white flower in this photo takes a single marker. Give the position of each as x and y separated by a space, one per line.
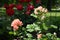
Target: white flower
54 33
46 10
35 11
42 18
40 8
43 10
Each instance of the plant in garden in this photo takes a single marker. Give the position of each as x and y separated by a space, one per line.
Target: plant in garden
27 22
38 27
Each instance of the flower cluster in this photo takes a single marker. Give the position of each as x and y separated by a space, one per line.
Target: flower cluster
16 23
41 9
9 9
42 12
20 6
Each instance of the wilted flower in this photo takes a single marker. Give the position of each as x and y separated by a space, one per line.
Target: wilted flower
39 36
16 23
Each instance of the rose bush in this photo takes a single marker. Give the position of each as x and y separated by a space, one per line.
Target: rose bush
26 20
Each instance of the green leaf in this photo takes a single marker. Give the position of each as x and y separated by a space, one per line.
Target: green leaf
34 39
27 38
23 28
30 30
35 25
53 26
48 34
10 32
42 39
37 28
58 38
30 26
45 27
34 15
29 35
15 33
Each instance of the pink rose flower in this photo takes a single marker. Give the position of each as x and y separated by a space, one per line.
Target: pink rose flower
39 36
16 23
15 28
